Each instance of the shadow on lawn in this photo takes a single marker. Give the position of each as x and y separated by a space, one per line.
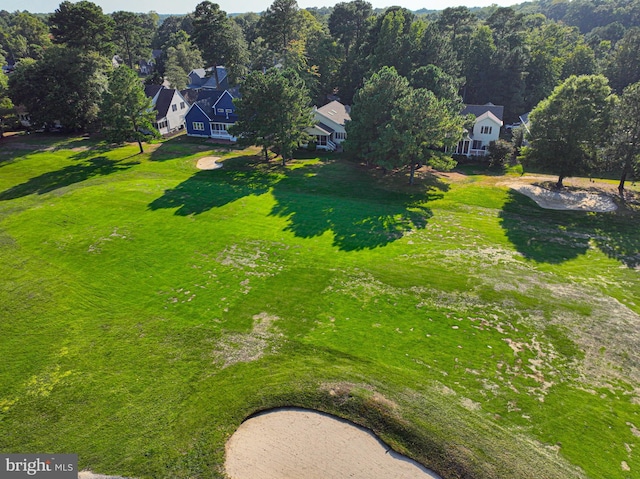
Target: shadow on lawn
239 177
551 236
362 211
53 180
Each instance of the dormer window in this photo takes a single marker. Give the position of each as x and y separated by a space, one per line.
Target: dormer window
220 110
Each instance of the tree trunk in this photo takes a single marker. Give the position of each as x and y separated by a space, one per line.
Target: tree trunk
559 183
266 154
623 178
140 145
412 173
215 74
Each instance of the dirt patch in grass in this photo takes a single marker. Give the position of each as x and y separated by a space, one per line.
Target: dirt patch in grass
236 348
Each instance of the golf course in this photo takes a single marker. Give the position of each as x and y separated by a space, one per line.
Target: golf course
148 307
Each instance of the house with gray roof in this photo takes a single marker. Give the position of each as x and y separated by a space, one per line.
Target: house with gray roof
486 129
170 106
329 131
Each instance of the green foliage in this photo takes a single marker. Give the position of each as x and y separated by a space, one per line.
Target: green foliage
219 39
624 143
394 125
82 25
273 112
181 59
500 153
623 67
132 36
371 110
280 25
348 23
568 129
65 85
126 112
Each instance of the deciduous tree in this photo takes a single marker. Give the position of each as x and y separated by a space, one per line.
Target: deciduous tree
65 85
624 145
568 128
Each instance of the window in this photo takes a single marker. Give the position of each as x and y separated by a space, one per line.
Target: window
485 130
219 127
161 125
220 110
182 105
477 145
174 107
229 110
198 126
340 135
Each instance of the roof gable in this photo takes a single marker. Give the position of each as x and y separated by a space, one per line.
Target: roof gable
196 110
165 97
479 110
490 116
152 90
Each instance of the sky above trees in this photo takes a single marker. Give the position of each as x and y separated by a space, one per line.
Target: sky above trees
237 6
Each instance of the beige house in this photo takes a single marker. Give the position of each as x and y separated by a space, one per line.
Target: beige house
329 131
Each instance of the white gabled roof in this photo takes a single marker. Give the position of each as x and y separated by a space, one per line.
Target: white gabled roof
491 116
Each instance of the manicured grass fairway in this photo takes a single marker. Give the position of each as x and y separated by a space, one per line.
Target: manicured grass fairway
147 308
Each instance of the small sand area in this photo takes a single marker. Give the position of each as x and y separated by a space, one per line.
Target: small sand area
209 163
564 199
293 443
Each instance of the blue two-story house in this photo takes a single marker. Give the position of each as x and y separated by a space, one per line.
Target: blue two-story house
211 115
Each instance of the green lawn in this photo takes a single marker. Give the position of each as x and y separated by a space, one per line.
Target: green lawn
147 308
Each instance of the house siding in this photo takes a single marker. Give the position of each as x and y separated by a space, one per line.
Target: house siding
176 119
196 115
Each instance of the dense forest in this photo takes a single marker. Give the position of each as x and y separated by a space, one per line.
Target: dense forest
511 56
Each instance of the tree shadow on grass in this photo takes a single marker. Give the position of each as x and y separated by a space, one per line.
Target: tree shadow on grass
550 236
183 145
363 209
207 189
53 180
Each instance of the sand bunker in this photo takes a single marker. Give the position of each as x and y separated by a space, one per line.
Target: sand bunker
565 200
209 163
91 475
293 443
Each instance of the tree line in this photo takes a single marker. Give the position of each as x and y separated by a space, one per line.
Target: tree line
511 56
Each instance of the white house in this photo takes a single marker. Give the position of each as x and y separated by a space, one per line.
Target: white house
170 106
329 131
485 129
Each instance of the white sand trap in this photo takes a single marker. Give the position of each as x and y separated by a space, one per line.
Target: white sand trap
293 443
91 475
565 200
209 163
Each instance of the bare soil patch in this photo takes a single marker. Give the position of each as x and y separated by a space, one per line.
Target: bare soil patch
293 443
